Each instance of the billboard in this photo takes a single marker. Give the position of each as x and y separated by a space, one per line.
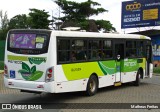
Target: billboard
140 13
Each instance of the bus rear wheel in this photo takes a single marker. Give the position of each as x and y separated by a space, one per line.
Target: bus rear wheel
137 81
92 86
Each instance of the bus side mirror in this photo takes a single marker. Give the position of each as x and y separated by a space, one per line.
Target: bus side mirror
118 57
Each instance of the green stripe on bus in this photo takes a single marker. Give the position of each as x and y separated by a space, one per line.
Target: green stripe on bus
19 58
78 71
35 60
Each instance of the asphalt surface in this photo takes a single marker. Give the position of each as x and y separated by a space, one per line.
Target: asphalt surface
147 92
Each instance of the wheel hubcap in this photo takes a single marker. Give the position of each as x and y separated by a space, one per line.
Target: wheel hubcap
92 86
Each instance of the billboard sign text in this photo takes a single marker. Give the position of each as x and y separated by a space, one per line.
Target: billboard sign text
141 13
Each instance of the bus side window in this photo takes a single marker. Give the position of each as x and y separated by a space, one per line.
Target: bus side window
73 56
63 56
140 49
131 49
95 49
79 50
63 50
81 55
107 49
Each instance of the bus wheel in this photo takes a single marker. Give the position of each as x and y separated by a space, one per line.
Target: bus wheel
92 86
137 81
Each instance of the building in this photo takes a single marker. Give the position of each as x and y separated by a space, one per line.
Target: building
155 37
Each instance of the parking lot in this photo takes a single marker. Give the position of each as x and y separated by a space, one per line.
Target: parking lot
147 92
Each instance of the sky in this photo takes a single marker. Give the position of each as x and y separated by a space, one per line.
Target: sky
15 7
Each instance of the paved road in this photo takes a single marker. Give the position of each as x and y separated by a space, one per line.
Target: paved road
147 92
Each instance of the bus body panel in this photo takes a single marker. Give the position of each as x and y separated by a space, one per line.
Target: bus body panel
30 85
151 70
19 64
128 76
70 86
29 72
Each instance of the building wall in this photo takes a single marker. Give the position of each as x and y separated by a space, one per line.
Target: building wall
156 50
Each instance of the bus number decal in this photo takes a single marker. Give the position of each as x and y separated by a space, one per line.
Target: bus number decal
75 69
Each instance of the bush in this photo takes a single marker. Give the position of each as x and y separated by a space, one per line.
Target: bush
1 65
156 70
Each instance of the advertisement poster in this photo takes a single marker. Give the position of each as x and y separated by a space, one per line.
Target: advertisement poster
141 13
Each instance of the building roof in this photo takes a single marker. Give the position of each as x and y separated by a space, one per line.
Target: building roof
149 33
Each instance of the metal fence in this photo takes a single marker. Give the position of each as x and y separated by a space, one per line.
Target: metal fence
2 49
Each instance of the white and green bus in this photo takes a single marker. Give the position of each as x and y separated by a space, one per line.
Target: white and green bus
64 61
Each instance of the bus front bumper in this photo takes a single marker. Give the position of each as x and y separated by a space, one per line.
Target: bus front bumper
29 85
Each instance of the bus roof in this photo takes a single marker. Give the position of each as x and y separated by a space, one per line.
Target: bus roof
96 35
87 34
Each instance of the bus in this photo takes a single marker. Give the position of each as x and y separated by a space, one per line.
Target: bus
49 61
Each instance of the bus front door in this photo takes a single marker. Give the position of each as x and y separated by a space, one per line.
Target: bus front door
119 56
148 59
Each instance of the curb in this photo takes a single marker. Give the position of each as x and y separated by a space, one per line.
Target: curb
1 71
156 74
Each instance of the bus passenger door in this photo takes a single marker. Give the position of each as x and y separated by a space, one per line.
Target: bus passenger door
119 56
148 59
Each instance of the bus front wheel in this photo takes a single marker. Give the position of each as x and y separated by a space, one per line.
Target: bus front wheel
92 86
138 76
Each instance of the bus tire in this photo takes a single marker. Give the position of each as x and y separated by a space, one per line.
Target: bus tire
137 81
92 86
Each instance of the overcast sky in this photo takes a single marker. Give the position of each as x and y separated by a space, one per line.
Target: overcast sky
15 7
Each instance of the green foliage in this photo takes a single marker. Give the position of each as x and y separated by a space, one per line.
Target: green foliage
18 22
3 20
1 65
3 25
104 24
3 34
156 70
84 24
86 9
38 19
2 49
80 12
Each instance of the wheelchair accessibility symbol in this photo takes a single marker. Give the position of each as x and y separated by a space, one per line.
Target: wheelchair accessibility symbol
12 74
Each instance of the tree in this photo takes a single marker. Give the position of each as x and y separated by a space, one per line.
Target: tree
79 14
105 25
19 21
78 11
3 20
87 10
38 19
3 25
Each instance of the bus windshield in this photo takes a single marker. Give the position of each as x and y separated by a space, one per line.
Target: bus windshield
28 42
